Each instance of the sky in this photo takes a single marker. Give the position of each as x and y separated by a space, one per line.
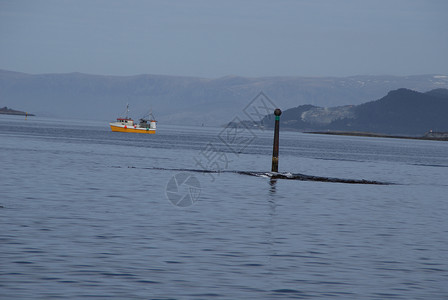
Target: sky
211 39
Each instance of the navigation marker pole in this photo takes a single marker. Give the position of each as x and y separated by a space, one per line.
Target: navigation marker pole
277 113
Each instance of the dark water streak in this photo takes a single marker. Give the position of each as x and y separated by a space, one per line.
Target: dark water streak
273 175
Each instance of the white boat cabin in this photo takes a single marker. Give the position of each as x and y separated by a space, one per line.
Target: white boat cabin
126 121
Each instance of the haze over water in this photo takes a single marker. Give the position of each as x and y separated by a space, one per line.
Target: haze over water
85 214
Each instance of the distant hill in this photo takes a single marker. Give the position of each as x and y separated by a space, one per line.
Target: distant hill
402 111
190 100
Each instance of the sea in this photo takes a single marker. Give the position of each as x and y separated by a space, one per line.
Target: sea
193 212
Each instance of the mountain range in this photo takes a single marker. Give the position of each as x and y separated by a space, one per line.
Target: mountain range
400 112
189 100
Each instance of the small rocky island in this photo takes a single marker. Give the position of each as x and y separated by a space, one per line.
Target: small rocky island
8 111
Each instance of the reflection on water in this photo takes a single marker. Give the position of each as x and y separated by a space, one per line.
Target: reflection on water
272 183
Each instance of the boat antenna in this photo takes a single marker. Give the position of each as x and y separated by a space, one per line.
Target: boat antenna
127 111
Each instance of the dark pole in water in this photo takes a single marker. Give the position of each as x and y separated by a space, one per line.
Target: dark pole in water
277 113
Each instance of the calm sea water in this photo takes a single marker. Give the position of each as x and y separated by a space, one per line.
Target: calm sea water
87 213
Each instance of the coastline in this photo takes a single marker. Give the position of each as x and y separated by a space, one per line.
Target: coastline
371 134
8 111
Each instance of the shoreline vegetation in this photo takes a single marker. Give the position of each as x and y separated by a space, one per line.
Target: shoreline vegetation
434 136
8 111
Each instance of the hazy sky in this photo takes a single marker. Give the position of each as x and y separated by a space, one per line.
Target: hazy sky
233 37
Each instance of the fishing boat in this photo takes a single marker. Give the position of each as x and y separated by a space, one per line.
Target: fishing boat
127 124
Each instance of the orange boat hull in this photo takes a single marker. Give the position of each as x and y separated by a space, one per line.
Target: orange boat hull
132 129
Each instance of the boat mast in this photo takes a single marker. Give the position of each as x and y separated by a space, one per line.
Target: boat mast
151 116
